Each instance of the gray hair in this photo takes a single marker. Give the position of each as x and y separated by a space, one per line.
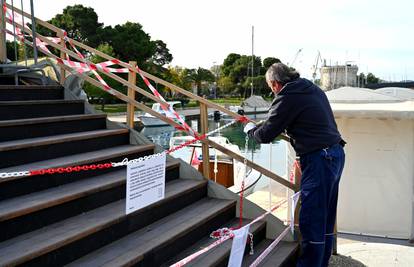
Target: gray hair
281 73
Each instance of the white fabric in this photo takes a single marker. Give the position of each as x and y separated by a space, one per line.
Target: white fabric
249 126
376 189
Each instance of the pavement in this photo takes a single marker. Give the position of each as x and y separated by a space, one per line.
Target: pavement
353 250
358 250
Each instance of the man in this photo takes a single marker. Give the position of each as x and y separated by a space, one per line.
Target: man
301 109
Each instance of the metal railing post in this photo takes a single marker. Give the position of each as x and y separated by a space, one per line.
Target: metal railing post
204 103
62 56
132 79
33 31
3 49
24 38
205 146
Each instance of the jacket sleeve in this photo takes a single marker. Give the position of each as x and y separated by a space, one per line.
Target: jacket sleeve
281 114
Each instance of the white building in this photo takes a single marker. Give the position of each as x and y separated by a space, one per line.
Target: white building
377 185
333 77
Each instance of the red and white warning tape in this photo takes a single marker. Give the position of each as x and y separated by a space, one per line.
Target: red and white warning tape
87 66
269 249
224 238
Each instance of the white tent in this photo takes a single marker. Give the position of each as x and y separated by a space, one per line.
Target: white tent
403 93
376 190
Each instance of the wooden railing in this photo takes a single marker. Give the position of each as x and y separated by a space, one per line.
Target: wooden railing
129 99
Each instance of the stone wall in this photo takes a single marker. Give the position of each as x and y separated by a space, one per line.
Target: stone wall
333 77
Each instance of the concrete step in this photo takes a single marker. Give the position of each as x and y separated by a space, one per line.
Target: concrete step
67 240
163 239
283 255
26 213
17 186
17 152
219 255
47 126
33 92
13 110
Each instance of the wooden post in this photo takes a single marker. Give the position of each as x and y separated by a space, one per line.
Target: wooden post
205 146
3 50
62 56
132 78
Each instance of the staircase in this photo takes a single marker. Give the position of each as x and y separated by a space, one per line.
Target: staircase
78 218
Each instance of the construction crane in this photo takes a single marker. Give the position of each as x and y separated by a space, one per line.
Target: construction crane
315 66
296 57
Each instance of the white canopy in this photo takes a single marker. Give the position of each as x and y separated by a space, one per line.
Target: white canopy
376 189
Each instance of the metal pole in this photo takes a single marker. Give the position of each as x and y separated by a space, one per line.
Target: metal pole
24 41
14 37
3 49
251 90
33 32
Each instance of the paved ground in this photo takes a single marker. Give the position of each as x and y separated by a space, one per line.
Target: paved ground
356 250
353 250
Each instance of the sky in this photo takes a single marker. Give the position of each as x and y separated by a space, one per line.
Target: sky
376 35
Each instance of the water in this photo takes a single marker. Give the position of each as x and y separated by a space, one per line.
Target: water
258 153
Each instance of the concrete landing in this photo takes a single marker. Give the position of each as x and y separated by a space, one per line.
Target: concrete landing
356 250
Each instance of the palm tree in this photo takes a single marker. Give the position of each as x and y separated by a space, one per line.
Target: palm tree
198 76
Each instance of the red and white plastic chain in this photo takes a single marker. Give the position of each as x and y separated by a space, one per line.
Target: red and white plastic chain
124 162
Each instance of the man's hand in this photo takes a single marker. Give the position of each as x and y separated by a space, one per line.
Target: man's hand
249 127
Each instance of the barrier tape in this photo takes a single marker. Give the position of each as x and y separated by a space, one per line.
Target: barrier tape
86 67
269 249
293 171
223 239
168 109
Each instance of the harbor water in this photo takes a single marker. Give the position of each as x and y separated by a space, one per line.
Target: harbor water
271 156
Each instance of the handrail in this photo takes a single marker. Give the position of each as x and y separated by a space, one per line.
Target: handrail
204 103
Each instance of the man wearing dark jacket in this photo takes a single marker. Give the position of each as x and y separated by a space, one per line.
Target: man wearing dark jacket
302 111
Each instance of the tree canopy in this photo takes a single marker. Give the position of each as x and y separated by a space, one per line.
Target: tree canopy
129 41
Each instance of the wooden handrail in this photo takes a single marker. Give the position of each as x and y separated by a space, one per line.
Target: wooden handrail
123 64
203 102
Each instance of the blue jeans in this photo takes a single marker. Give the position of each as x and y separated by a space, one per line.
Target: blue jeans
321 172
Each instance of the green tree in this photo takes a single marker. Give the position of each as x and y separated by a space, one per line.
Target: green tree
269 61
198 76
259 85
161 55
10 50
225 85
95 92
372 79
80 23
228 63
130 42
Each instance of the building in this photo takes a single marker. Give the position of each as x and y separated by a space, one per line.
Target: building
333 77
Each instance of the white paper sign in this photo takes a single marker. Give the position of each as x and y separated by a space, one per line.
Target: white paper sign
145 183
238 246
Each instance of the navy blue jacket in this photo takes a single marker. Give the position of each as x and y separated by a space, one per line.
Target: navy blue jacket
303 111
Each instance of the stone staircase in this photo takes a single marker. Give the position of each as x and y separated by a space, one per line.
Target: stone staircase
78 218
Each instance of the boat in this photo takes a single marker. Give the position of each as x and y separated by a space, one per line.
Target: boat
230 172
149 120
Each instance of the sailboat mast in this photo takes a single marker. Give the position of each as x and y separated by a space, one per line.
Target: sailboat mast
251 90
